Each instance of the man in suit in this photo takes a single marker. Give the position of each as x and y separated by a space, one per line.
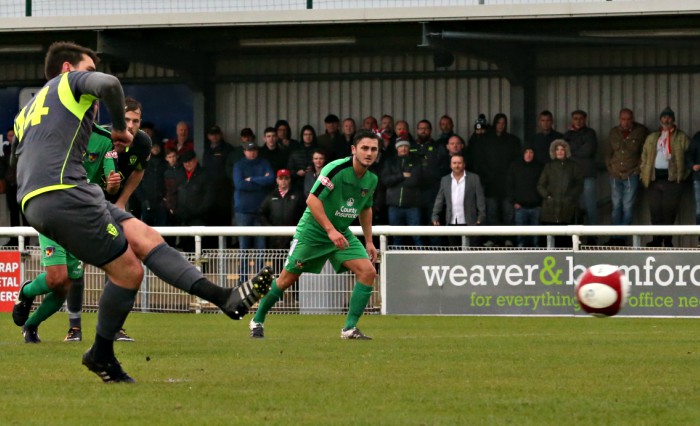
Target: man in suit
462 197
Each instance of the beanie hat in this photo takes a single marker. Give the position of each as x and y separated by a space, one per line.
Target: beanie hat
668 112
402 142
481 122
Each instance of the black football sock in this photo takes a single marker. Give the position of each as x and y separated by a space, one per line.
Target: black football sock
210 292
115 304
170 266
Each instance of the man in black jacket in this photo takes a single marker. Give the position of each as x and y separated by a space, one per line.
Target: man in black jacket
523 176
403 175
282 207
194 195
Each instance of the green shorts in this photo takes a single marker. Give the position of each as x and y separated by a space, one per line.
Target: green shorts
53 254
309 255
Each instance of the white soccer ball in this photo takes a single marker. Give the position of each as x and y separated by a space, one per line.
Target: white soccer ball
602 290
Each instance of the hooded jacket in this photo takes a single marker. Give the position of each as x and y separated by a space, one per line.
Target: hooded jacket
560 186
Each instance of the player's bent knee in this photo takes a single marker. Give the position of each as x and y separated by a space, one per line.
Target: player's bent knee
57 277
142 238
126 271
367 275
286 279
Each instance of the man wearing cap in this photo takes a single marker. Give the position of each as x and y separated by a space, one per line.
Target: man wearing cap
214 160
195 195
253 178
282 207
662 171
403 175
476 140
332 140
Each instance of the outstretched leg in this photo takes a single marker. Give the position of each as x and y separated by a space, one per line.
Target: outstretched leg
169 265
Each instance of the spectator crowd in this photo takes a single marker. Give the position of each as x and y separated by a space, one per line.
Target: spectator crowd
440 178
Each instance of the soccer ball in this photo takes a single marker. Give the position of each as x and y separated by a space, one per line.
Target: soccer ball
602 290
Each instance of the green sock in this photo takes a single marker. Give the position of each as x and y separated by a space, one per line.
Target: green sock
358 301
36 287
49 306
267 302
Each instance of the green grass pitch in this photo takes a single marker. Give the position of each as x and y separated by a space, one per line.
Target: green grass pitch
204 369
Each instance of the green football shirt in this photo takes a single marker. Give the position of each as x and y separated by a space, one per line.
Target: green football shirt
100 156
343 195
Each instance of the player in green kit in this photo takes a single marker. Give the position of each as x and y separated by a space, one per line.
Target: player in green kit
343 192
63 270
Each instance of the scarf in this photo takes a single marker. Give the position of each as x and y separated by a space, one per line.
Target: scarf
664 142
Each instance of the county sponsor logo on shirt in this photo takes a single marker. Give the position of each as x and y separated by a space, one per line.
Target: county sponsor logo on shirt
347 211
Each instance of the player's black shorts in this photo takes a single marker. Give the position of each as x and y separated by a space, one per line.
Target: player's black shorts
82 221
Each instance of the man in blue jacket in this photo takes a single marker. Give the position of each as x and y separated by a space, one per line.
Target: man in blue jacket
253 179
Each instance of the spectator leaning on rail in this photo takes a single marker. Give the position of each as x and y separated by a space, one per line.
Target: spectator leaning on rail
663 171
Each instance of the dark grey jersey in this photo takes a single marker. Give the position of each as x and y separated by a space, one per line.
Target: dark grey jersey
53 130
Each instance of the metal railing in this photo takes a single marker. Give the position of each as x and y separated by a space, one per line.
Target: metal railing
326 292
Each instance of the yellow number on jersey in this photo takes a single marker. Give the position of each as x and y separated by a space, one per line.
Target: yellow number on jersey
33 116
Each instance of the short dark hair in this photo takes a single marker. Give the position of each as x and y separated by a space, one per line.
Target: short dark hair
449 118
547 113
65 51
131 104
461 139
458 154
579 112
270 130
362 134
430 126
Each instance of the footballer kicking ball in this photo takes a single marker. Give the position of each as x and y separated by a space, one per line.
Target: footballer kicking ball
602 290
